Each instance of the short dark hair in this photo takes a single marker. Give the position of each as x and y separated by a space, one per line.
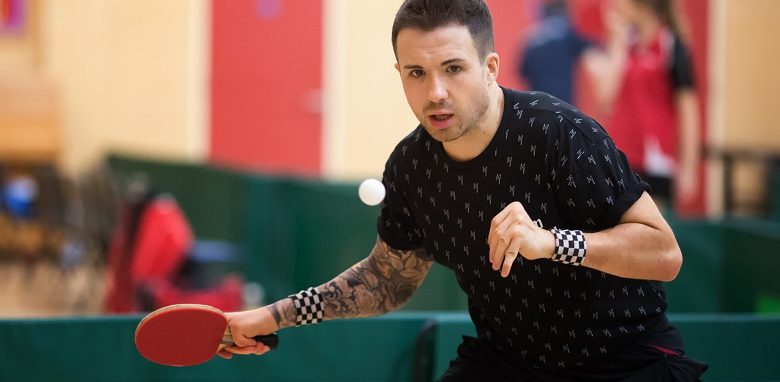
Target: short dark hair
428 15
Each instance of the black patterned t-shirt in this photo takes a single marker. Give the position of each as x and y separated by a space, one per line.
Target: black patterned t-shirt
567 173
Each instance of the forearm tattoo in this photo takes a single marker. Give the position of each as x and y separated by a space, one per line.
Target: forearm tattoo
283 312
380 283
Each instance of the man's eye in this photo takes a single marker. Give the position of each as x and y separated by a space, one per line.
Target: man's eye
417 73
454 69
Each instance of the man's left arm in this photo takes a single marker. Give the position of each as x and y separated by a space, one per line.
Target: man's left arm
640 246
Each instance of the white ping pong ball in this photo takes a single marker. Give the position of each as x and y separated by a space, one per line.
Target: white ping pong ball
371 192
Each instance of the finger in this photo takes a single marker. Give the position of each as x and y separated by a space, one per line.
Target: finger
497 227
225 354
262 350
493 241
244 341
243 350
513 213
509 259
503 236
497 220
511 253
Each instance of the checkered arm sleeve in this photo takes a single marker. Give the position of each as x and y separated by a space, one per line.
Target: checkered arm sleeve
570 246
309 307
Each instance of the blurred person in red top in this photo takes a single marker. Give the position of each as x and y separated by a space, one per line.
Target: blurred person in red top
645 78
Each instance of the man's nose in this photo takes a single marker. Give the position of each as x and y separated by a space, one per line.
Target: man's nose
437 91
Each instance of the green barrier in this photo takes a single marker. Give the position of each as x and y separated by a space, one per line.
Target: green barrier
266 232
102 349
728 266
295 232
330 229
737 347
698 286
751 255
298 233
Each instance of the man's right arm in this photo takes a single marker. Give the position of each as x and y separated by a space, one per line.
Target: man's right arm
378 284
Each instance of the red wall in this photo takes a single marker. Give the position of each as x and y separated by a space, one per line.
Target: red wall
265 80
510 26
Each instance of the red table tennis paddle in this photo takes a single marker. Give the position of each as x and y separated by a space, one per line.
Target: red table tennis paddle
186 335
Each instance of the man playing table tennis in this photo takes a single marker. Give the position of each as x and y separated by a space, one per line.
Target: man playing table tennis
550 234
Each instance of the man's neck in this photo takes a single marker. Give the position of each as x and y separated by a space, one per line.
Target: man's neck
472 144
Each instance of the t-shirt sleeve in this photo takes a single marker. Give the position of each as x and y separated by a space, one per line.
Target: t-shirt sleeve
681 68
592 180
396 225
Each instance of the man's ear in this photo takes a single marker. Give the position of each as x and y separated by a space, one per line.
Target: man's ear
397 67
492 64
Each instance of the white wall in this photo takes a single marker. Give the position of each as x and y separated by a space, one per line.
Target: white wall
366 112
131 74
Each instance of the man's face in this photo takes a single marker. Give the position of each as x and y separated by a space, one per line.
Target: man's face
445 81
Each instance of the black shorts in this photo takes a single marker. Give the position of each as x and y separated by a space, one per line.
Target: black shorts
479 361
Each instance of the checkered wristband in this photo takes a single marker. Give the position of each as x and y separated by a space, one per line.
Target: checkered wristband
309 307
570 246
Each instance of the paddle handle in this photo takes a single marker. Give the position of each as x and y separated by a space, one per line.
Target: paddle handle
270 340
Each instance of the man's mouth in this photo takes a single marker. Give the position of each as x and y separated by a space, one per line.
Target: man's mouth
440 121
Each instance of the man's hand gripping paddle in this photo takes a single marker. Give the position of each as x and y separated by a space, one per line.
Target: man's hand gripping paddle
186 335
